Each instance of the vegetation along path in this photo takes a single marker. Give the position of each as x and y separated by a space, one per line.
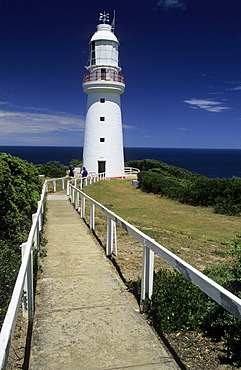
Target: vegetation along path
196 234
84 317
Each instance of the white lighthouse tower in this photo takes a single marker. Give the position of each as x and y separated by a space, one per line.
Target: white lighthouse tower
103 84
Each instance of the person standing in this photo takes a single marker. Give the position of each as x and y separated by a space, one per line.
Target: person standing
84 172
71 171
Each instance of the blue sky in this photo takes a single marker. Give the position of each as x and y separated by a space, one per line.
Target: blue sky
181 60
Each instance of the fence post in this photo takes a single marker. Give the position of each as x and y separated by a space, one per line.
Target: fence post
40 223
92 216
47 186
54 181
147 276
109 242
82 213
28 294
36 233
63 184
115 238
72 194
77 200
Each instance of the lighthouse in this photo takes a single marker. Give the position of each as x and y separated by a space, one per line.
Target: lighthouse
103 84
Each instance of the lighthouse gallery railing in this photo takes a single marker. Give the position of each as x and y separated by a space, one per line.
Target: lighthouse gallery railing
100 75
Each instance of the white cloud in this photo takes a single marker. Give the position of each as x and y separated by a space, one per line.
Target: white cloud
130 127
206 104
169 4
237 88
182 129
31 126
215 93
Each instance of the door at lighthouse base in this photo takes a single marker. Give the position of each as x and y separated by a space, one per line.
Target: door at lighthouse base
101 166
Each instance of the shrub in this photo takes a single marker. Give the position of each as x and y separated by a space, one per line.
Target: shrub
52 169
176 303
19 192
179 305
226 207
196 190
163 168
9 266
217 322
76 163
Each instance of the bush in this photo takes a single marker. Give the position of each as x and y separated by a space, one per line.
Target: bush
9 266
20 188
226 207
76 163
179 305
52 169
217 322
163 168
176 303
196 190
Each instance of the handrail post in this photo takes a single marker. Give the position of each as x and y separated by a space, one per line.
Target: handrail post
109 241
115 238
40 221
28 294
72 194
77 200
147 275
92 216
36 233
54 182
68 189
82 213
63 184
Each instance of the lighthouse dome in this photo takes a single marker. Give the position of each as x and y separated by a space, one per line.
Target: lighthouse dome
104 33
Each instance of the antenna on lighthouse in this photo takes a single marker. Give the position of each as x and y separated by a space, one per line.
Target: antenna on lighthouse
104 17
113 23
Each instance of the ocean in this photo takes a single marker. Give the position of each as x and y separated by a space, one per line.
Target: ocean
209 162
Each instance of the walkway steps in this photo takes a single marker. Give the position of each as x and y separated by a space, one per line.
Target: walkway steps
84 317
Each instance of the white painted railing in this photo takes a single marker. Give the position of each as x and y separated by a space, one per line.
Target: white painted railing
24 287
222 296
132 170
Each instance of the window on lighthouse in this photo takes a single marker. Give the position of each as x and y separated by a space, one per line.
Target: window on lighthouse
102 100
102 119
103 74
92 53
102 139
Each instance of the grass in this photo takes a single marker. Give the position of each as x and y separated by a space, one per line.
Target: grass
195 234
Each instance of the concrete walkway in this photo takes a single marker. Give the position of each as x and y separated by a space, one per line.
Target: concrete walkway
84 317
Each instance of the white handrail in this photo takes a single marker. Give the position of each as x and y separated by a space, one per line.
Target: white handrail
222 296
24 280
23 289
132 170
